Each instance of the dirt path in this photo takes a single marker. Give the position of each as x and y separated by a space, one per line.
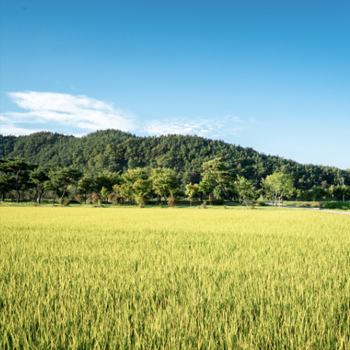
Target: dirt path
323 210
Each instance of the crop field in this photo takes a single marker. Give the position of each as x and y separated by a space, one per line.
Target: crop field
162 278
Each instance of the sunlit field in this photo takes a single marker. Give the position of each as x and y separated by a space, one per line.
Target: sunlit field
163 278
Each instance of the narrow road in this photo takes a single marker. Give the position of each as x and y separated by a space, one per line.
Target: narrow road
306 208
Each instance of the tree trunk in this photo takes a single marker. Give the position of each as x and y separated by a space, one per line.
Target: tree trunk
54 197
41 195
223 189
17 190
64 192
36 195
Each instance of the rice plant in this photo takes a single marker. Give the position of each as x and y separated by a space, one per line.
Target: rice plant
125 278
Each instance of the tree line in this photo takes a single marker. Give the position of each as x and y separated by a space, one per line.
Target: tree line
20 179
118 151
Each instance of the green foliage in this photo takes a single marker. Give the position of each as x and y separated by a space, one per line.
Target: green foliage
18 170
107 180
197 167
337 192
337 205
80 198
40 177
86 186
164 182
192 192
60 179
216 173
245 190
115 151
137 185
278 185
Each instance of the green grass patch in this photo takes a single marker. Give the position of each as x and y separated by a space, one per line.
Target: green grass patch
337 205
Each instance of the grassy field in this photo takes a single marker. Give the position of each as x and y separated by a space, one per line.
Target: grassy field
333 205
129 278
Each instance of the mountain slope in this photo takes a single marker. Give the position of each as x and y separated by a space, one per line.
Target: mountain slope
115 150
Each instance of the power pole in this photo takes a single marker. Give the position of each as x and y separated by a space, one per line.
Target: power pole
343 192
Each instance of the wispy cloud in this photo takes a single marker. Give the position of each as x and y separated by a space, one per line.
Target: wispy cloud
80 115
215 128
80 112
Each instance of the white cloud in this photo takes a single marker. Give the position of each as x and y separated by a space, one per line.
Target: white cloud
67 110
80 115
215 128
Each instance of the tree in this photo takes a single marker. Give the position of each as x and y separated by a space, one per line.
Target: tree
124 190
215 172
60 179
19 167
40 177
318 193
105 192
339 191
107 180
141 190
246 190
298 193
7 184
86 186
136 184
164 182
192 192
278 185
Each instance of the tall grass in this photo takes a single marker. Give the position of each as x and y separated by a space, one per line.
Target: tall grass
81 278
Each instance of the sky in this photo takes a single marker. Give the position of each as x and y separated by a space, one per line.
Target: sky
273 75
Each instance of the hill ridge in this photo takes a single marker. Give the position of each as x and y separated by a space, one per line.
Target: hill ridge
116 150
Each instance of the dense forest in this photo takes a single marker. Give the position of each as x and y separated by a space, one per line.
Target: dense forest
115 151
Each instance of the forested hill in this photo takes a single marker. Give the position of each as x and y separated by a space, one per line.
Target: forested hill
115 150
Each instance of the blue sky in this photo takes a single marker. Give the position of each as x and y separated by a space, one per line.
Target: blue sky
267 74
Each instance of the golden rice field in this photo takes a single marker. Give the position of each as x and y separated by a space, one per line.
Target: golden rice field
130 278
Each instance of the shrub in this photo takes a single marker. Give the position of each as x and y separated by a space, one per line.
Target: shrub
261 204
337 205
65 203
172 201
80 198
250 205
96 198
111 197
115 198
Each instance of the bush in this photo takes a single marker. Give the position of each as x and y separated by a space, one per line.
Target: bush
115 198
337 205
172 201
65 203
217 201
249 204
80 198
96 198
